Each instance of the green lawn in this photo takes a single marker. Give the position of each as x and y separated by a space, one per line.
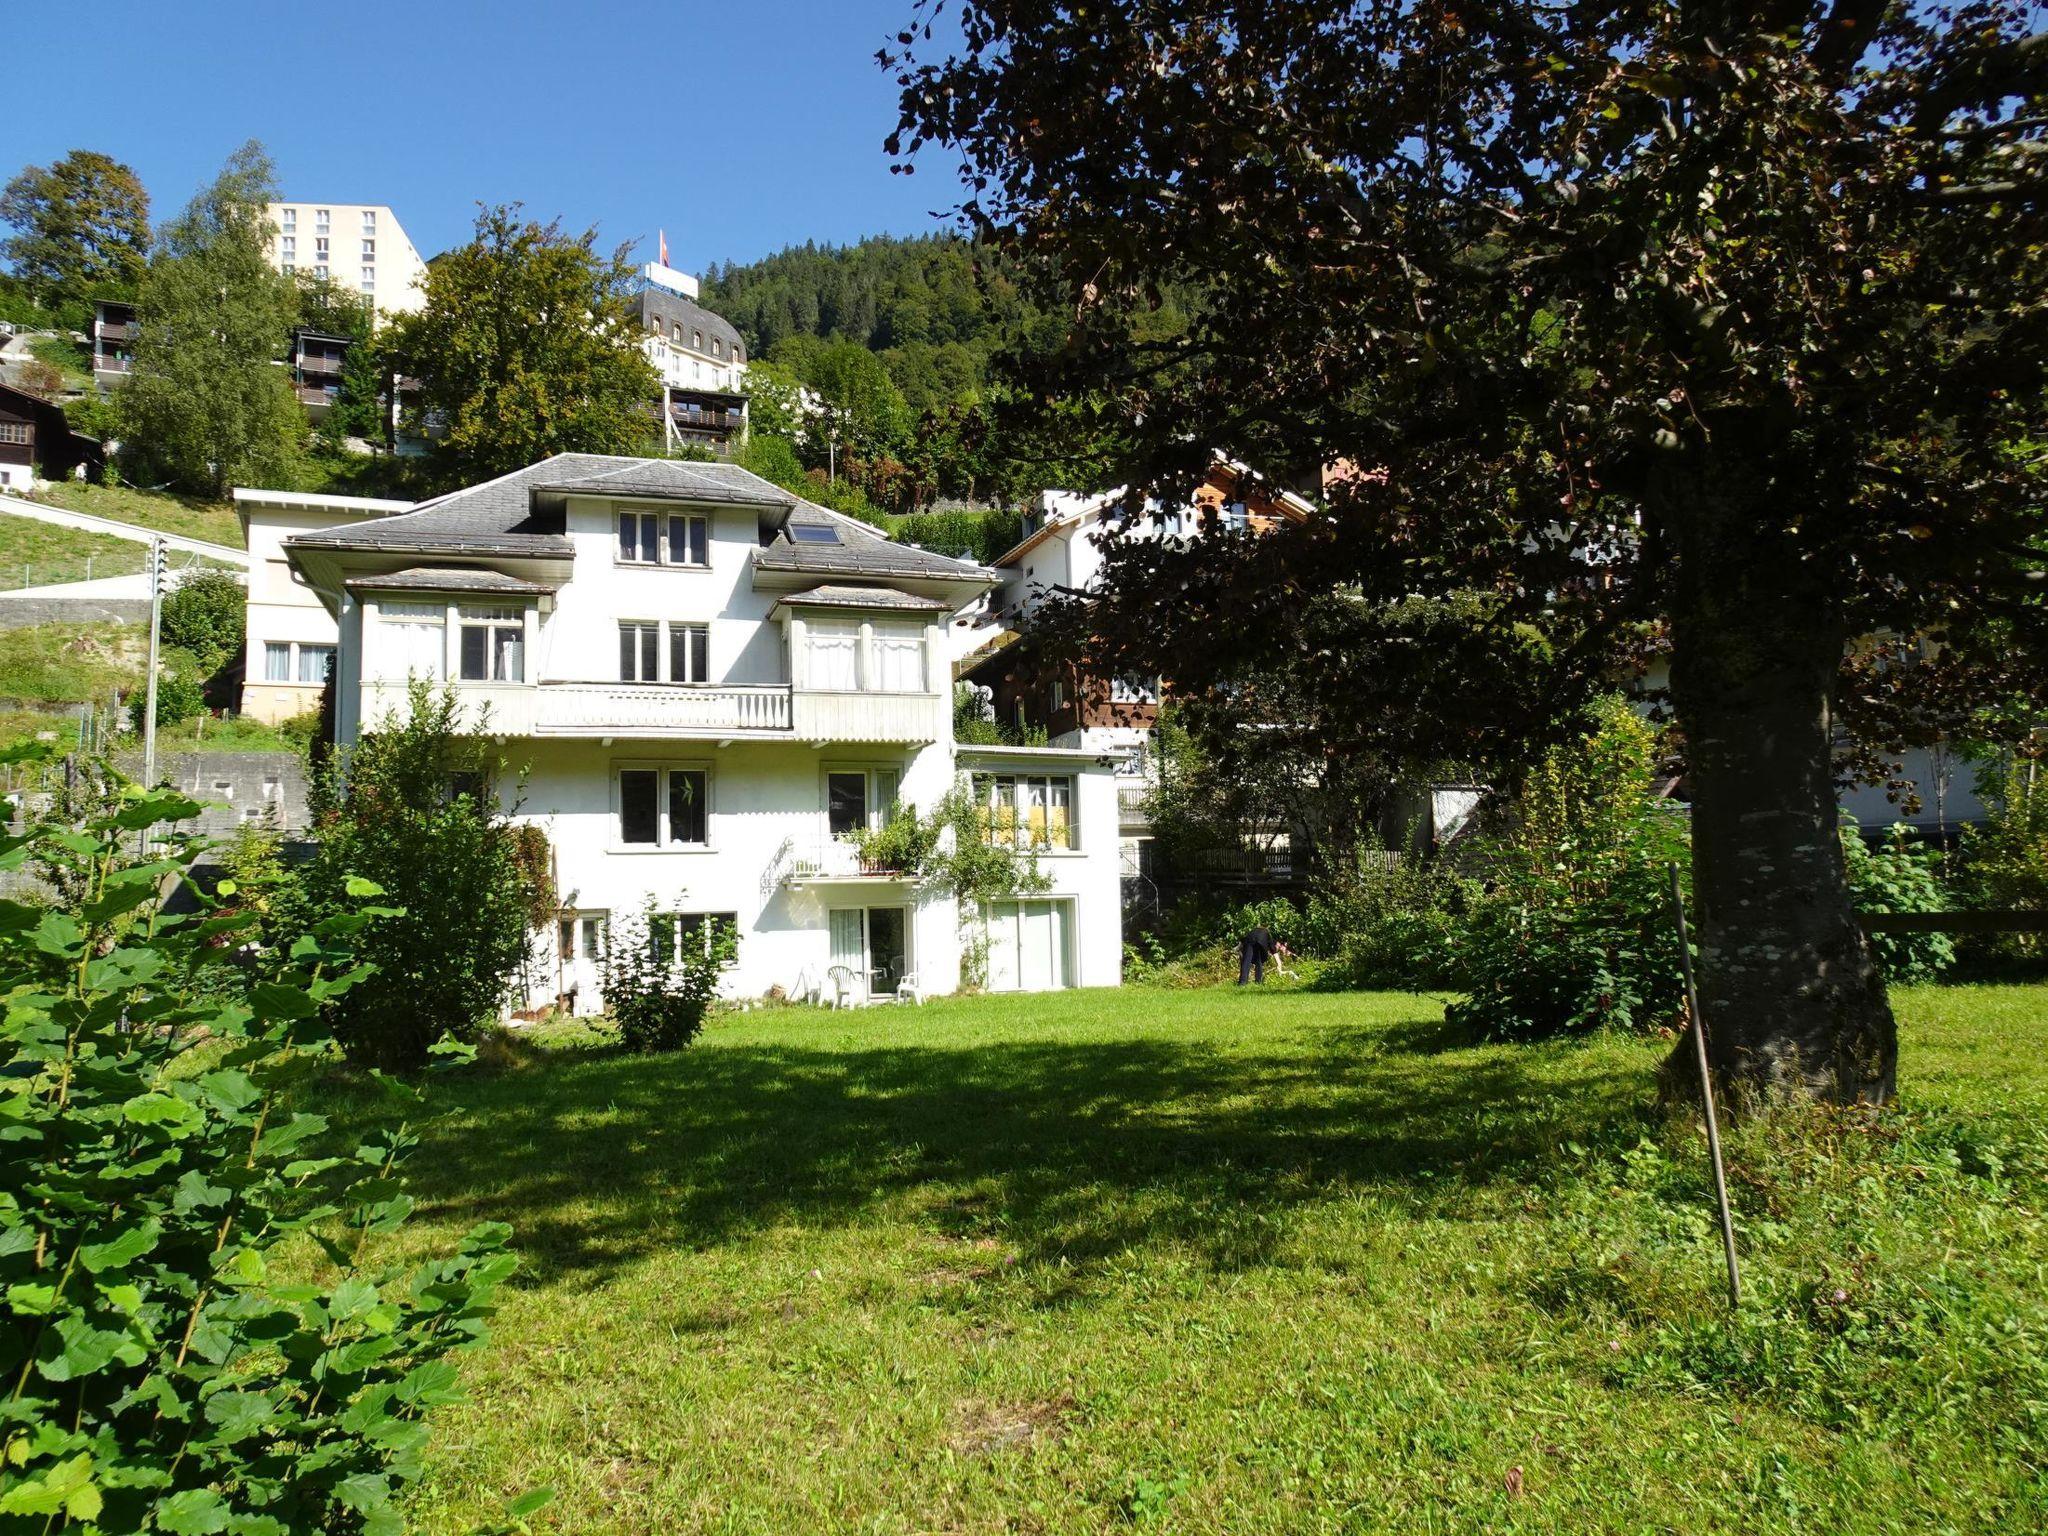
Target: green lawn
1247 1263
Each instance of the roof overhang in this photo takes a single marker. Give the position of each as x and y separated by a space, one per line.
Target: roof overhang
997 755
863 600
248 500
333 568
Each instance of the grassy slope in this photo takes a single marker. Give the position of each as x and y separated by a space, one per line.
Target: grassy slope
1247 1263
33 553
212 520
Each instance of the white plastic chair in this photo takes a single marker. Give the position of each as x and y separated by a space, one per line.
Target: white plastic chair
839 979
907 989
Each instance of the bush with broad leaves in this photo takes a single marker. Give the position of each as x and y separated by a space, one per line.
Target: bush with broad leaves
161 1375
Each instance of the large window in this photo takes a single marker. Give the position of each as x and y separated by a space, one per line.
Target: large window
699 931
493 645
650 538
856 798
415 639
899 658
287 662
640 653
641 650
689 653
832 655
1027 811
664 807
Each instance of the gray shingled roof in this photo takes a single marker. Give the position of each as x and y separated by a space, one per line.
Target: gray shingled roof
501 513
427 578
857 552
865 597
659 308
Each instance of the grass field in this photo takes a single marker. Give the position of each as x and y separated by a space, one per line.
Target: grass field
1248 1263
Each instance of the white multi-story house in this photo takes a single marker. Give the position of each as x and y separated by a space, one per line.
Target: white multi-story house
710 683
360 246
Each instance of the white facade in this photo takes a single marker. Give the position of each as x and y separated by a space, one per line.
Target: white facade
696 725
289 637
360 246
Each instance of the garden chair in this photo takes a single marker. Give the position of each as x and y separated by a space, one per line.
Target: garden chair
908 991
839 984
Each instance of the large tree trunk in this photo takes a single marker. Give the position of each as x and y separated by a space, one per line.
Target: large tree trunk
1789 987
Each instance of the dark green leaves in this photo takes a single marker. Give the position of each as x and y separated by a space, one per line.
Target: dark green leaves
170 1382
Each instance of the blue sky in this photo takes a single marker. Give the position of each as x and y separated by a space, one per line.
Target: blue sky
739 127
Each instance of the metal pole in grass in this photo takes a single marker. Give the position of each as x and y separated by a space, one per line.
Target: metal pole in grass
1699 1042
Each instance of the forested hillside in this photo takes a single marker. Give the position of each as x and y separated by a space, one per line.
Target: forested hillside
934 309
897 342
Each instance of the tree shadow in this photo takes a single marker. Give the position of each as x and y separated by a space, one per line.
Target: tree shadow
1067 1152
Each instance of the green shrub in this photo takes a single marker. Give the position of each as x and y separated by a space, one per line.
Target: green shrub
180 686
1895 876
301 730
206 616
154 1166
415 808
1577 930
660 976
2005 861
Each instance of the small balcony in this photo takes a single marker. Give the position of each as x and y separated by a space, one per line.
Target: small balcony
835 862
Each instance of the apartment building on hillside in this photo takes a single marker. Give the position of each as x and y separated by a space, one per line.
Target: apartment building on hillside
360 246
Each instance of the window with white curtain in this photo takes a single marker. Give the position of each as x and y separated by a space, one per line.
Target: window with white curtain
277 661
899 658
315 662
832 655
415 640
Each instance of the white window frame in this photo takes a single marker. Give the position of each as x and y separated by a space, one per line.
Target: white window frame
987 785
294 652
881 788
665 554
490 618
1133 690
664 840
410 615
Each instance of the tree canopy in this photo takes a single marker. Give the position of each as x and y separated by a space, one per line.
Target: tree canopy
1711 328
524 347
81 228
205 405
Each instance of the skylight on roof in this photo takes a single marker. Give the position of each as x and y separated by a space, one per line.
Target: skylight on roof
813 533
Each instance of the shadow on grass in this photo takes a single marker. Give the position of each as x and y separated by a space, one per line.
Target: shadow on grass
1069 1151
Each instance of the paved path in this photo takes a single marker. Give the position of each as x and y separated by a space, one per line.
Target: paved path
113 527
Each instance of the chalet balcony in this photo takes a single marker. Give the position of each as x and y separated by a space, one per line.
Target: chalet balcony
684 711
112 362
117 330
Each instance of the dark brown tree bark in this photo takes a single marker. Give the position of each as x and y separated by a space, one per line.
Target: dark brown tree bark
1789 987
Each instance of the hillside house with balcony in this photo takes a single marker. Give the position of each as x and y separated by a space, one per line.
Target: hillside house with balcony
1061 552
711 684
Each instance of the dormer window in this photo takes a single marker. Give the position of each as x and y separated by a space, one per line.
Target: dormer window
812 533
